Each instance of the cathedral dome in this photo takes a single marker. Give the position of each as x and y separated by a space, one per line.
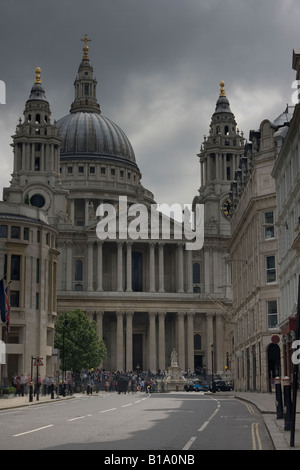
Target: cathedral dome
91 135
85 132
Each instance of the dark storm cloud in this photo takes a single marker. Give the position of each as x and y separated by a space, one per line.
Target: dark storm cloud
158 65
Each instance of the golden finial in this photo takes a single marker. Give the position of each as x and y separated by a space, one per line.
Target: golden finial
222 90
85 47
38 75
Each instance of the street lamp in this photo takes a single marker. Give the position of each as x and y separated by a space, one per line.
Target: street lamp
64 360
213 388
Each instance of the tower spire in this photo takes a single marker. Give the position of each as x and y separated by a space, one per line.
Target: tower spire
85 85
85 48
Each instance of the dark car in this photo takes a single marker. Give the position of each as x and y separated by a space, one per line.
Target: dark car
222 386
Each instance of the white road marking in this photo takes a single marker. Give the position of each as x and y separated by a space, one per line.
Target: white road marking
105 411
74 419
189 443
32 430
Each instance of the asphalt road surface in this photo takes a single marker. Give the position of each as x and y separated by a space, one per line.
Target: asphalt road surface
179 422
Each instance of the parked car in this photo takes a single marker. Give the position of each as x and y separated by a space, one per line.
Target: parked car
222 386
195 386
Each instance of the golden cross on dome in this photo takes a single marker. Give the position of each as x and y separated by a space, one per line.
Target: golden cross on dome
85 47
38 75
222 90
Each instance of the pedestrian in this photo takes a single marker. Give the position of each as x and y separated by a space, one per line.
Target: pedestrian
23 384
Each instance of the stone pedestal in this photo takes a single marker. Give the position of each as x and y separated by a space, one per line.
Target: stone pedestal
174 379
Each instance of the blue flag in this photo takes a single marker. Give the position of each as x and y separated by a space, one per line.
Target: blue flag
2 301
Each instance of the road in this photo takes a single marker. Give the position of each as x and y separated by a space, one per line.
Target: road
158 422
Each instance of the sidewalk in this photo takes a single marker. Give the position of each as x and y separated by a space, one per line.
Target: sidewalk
264 402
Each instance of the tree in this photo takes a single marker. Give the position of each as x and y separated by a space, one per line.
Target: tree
77 339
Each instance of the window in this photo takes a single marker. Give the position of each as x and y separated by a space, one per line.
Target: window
270 269
37 300
81 169
92 169
70 170
15 232
26 233
37 200
269 225
3 231
78 270
272 314
196 273
102 170
197 342
15 267
112 172
37 273
14 298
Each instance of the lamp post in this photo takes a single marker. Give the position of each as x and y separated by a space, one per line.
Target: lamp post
213 388
64 359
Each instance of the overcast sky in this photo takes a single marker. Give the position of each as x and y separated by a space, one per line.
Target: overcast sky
158 64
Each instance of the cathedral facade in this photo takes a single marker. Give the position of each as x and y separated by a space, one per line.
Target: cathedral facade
75 183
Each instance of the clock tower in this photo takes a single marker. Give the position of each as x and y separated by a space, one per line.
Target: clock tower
36 173
219 157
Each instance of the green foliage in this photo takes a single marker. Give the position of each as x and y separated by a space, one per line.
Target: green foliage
9 391
77 339
26 199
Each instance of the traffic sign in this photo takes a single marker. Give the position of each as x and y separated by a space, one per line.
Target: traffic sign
38 361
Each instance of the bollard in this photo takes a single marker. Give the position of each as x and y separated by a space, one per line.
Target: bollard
287 403
52 391
31 392
278 391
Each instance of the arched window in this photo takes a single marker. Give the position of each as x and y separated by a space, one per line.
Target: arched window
78 270
197 341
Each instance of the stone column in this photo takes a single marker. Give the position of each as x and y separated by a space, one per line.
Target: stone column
210 342
72 211
189 270
152 267
120 341
129 316
190 340
161 341
120 266
161 267
181 340
152 342
99 324
69 274
180 267
219 350
129 267
90 246
99 267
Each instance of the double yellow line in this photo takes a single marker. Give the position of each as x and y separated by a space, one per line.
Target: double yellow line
256 442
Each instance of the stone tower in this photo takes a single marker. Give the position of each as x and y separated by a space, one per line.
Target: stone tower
219 158
35 179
